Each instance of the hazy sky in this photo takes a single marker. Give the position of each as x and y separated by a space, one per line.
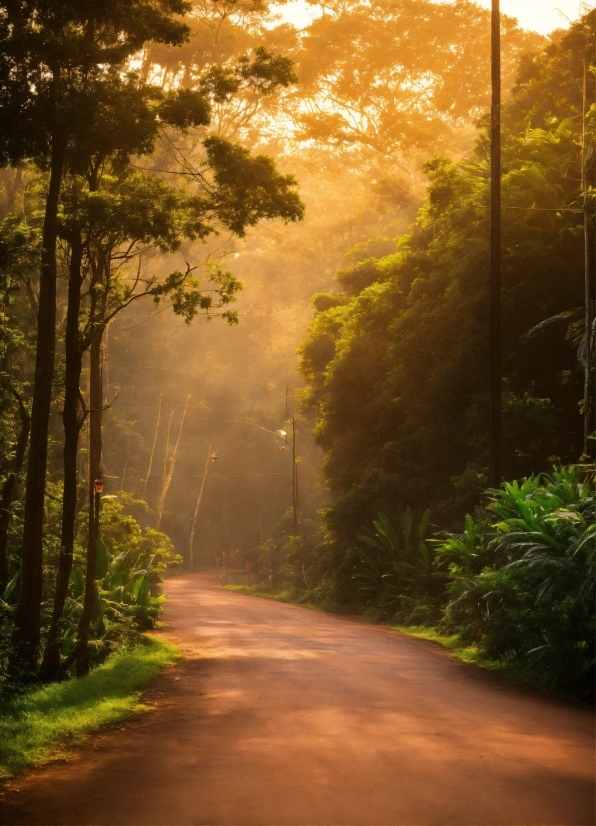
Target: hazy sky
540 15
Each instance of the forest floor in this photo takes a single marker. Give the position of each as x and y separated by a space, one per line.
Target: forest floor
283 715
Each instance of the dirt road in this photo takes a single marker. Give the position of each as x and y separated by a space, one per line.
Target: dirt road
282 715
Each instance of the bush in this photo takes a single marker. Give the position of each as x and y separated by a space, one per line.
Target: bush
518 583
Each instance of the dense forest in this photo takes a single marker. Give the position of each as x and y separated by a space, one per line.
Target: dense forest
166 164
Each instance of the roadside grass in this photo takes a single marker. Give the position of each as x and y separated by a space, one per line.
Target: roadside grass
289 595
46 720
470 654
465 653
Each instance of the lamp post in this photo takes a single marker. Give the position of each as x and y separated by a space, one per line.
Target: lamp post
97 489
291 420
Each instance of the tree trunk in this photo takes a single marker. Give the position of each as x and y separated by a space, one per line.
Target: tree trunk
95 446
28 610
10 491
50 668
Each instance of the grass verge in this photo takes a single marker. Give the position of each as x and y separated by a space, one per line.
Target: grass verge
466 653
289 595
42 722
470 654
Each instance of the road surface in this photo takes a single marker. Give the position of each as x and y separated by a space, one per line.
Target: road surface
283 715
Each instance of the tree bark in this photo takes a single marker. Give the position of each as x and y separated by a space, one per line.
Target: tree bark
95 447
28 610
50 668
10 490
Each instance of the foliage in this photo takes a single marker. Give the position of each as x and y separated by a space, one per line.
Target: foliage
399 574
518 592
532 601
355 93
43 720
396 358
132 561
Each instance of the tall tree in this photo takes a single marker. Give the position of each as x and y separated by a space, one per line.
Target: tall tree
109 226
52 57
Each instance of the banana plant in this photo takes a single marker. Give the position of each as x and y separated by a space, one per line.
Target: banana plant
463 549
402 561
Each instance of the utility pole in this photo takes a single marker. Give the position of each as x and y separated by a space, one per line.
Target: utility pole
586 355
292 420
494 479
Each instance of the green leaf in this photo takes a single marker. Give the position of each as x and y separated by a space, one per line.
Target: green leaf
77 583
141 590
11 588
424 524
103 560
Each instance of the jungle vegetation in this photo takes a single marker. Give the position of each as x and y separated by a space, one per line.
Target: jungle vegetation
396 370
150 151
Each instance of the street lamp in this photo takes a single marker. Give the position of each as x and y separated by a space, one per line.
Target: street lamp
97 489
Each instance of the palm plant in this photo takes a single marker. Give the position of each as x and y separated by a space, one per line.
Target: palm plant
401 564
532 603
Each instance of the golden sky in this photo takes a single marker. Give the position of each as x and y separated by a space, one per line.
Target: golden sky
539 15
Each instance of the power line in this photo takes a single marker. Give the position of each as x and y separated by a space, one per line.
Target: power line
201 476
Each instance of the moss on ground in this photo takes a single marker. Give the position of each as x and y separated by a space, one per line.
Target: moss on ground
45 720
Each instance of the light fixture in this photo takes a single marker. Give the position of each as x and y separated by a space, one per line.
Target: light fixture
281 433
214 457
98 486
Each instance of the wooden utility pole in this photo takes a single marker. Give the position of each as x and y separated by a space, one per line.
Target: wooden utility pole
292 420
586 354
495 250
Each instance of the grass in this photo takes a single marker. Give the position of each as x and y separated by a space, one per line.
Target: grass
466 653
259 591
283 595
41 723
471 654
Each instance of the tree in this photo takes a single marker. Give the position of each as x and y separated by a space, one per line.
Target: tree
396 360
401 80
122 218
53 57
19 254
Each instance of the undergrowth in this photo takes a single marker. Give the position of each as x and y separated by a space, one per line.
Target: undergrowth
43 721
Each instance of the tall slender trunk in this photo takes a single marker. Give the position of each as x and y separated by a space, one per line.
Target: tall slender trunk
28 610
10 490
191 543
50 668
95 447
170 469
152 448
